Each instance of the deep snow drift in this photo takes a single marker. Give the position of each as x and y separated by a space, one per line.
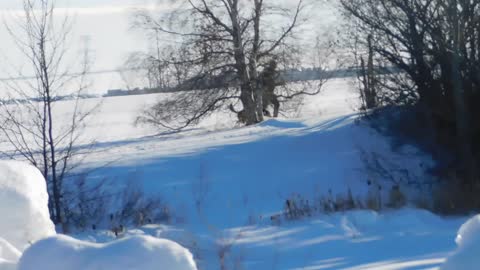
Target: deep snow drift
132 253
23 207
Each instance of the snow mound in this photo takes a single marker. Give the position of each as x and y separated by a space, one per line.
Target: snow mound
9 255
468 241
403 221
357 221
23 207
469 233
7 265
131 253
8 252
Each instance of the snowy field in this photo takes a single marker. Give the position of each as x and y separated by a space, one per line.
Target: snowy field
226 187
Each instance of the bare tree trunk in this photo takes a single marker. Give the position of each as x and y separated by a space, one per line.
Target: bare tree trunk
258 88
246 95
464 139
46 88
371 91
248 105
56 182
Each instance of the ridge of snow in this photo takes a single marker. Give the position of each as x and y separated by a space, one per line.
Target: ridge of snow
131 253
23 205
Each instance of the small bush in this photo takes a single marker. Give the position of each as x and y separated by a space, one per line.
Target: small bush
88 207
137 209
85 205
297 207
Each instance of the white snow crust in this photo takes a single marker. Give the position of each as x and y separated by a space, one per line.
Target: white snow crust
23 207
466 257
130 253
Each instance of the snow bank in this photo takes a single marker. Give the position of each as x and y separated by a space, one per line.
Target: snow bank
7 265
8 252
406 220
9 255
23 208
468 242
131 253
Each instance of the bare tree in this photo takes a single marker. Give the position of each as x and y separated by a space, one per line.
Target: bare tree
223 47
435 45
152 66
27 117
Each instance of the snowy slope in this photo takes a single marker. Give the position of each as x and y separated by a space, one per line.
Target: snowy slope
405 239
226 176
223 184
254 170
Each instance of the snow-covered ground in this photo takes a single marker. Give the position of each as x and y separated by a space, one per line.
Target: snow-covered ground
468 242
209 170
24 216
132 253
360 240
226 186
28 240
